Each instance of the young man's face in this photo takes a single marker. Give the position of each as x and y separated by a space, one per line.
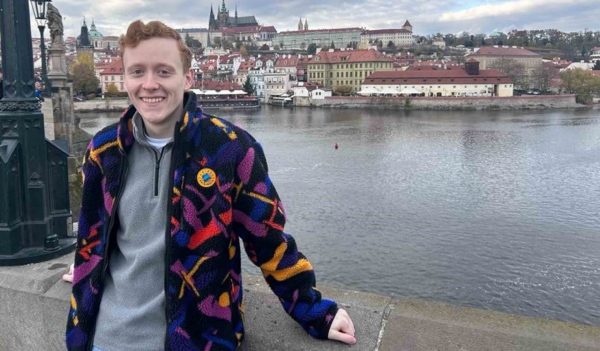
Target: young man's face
155 82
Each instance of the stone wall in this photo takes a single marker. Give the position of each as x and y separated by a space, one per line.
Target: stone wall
101 105
35 302
445 103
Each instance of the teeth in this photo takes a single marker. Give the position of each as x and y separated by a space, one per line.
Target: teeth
152 100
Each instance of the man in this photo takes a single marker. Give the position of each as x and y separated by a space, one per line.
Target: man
168 192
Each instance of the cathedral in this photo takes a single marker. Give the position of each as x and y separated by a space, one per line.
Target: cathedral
223 20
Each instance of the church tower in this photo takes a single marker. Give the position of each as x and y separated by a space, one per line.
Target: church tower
83 41
223 16
306 24
300 24
212 23
407 26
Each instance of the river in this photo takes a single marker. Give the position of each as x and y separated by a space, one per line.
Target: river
497 210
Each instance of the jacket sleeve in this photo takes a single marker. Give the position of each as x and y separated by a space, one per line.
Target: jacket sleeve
259 219
77 333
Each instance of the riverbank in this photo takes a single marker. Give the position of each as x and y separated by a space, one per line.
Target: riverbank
35 304
525 102
101 105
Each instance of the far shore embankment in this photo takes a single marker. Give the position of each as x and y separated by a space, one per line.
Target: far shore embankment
101 105
525 102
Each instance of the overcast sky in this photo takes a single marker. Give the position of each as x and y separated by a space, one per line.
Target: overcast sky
427 17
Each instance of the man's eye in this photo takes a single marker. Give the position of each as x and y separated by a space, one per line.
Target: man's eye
136 72
164 72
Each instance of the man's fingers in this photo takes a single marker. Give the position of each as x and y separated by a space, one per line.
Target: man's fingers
343 337
69 276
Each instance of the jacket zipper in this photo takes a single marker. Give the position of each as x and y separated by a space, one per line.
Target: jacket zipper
157 158
174 162
111 223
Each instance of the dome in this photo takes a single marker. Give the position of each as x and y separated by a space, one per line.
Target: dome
93 33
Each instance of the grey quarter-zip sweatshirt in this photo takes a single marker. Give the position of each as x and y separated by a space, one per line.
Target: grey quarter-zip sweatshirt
132 309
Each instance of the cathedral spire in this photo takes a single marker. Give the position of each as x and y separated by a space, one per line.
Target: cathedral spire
223 8
306 24
300 24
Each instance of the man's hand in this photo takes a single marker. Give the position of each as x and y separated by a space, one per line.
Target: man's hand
342 328
69 276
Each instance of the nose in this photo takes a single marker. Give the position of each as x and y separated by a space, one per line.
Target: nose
150 82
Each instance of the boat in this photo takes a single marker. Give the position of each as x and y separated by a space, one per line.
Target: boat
225 99
281 100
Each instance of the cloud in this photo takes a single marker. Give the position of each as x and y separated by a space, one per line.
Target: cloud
112 16
509 8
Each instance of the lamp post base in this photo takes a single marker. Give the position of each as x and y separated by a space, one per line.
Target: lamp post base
38 254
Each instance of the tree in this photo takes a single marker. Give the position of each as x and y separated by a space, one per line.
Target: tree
332 46
83 74
541 77
513 69
311 49
111 90
264 47
248 87
596 66
581 83
343 90
243 51
191 42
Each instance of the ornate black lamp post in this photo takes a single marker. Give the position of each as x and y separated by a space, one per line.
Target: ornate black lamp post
39 11
34 199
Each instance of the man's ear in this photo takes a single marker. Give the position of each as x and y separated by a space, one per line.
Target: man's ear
189 79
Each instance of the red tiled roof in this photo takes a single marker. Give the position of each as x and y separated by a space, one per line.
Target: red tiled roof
349 56
503 51
333 30
270 29
287 62
112 68
387 31
431 76
220 85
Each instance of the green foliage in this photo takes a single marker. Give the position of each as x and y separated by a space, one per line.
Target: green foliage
247 87
244 51
191 42
82 72
111 90
311 49
581 83
596 66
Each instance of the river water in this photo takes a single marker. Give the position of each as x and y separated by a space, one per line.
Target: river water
497 210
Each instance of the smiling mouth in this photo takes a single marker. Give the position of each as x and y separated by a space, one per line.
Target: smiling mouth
152 100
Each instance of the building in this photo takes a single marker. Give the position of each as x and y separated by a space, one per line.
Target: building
333 69
223 20
95 37
200 34
112 73
402 37
83 40
437 82
288 64
253 35
595 54
488 55
301 39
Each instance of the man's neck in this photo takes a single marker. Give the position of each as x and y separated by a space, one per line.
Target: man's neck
164 130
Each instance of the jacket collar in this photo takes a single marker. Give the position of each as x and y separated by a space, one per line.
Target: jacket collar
186 126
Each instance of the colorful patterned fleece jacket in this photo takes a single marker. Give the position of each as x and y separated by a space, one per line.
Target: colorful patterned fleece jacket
220 193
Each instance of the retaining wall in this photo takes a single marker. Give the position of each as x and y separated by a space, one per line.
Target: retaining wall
34 309
445 103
